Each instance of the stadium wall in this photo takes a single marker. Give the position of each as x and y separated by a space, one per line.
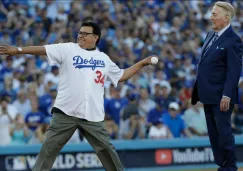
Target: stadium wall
136 155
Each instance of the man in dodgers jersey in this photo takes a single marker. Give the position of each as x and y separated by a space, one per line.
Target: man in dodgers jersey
79 102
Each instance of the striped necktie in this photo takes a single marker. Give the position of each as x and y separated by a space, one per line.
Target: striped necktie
213 40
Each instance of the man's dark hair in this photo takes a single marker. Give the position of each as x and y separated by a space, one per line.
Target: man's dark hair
96 29
4 98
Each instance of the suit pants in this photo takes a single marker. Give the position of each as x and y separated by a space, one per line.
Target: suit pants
221 137
60 131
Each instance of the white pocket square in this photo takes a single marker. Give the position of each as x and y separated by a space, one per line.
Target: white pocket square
219 48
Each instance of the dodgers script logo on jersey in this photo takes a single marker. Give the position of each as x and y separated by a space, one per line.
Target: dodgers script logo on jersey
85 63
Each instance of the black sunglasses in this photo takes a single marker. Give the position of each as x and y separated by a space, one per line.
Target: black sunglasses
84 33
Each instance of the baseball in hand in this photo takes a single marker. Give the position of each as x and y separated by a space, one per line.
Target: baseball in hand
154 60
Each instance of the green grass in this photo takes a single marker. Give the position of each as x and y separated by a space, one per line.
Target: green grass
240 169
200 170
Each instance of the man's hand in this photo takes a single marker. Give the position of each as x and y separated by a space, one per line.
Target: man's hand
147 61
8 50
225 104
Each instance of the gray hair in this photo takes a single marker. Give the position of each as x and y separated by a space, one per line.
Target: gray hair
230 10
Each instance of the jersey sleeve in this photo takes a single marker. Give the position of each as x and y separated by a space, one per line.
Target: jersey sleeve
114 73
54 53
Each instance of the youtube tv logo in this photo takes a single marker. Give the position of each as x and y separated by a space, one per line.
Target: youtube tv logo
163 157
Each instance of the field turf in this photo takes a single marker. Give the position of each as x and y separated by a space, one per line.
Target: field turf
240 169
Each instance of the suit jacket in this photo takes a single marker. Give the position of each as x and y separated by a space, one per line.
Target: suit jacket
219 69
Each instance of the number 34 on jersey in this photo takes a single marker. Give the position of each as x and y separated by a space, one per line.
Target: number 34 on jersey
100 79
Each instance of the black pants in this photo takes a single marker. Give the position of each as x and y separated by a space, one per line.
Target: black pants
221 136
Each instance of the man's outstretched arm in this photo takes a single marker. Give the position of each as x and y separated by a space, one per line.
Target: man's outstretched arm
129 72
12 50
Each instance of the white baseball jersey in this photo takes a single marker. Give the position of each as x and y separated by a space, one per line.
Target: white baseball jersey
82 76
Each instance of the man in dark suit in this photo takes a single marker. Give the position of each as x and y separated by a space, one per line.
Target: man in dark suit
216 85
